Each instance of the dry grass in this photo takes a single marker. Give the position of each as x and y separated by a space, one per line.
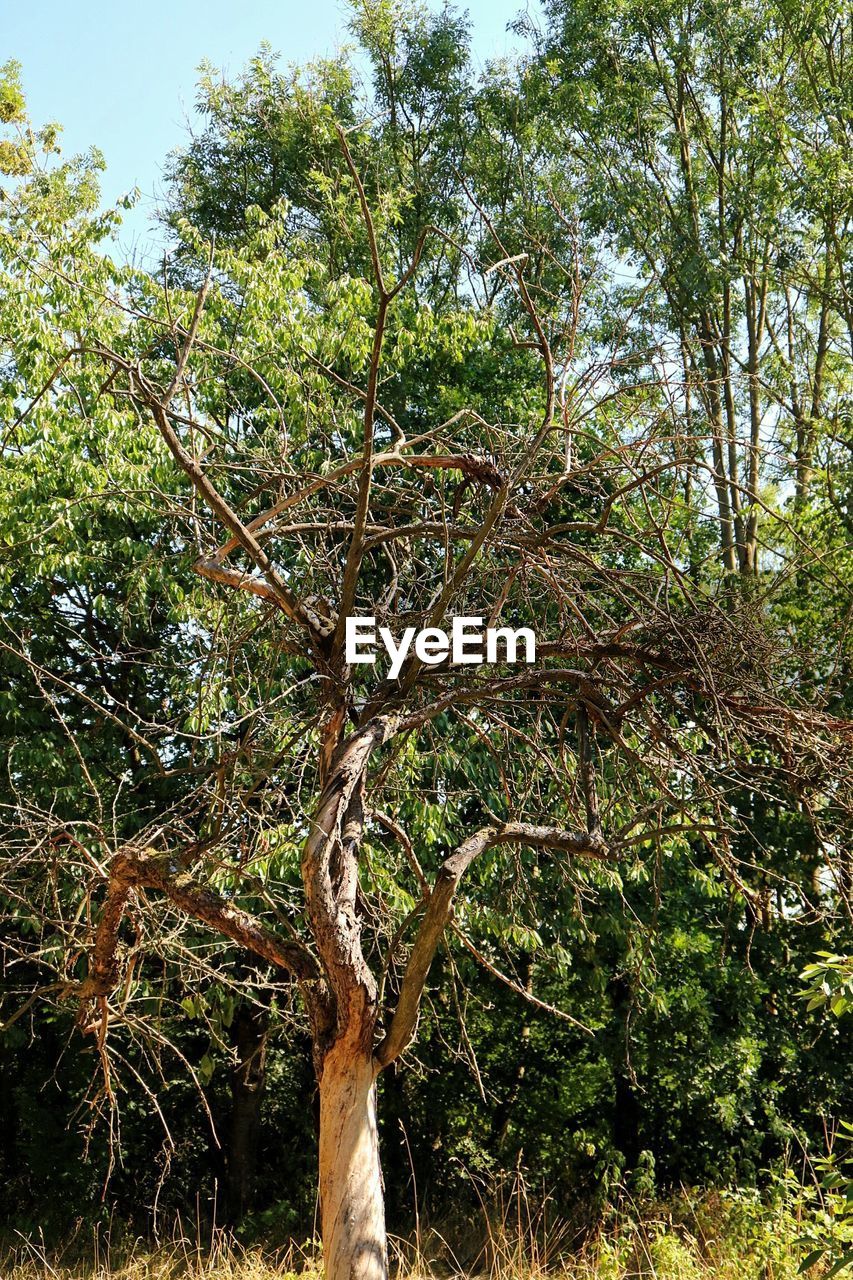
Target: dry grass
220 1258
710 1237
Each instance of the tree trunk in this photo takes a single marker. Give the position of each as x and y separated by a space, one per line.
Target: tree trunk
251 1027
352 1204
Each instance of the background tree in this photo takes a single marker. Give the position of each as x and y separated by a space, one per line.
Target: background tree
711 142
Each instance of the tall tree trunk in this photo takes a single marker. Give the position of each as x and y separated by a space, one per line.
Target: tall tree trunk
251 1027
714 406
626 1105
352 1202
503 1112
343 1013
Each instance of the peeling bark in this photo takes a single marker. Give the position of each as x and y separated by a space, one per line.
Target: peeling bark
352 1200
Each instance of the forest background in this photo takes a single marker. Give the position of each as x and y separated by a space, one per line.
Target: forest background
635 230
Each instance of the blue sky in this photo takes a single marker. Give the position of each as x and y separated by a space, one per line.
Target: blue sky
121 76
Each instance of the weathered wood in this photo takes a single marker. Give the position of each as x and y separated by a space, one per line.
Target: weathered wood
352 1201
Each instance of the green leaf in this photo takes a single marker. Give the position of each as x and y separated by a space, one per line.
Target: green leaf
844 1261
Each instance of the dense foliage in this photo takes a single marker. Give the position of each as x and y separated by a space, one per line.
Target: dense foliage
676 178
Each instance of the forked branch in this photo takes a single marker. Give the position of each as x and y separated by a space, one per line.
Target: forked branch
135 870
440 905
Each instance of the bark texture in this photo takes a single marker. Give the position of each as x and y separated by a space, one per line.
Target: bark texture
352 1202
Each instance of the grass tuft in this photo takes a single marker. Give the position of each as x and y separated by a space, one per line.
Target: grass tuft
701 1236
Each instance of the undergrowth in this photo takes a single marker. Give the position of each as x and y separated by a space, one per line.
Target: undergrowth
724 1235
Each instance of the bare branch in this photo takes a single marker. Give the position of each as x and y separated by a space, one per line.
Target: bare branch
440 905
132 870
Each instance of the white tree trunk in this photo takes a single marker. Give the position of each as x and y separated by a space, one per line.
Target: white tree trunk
352 1203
